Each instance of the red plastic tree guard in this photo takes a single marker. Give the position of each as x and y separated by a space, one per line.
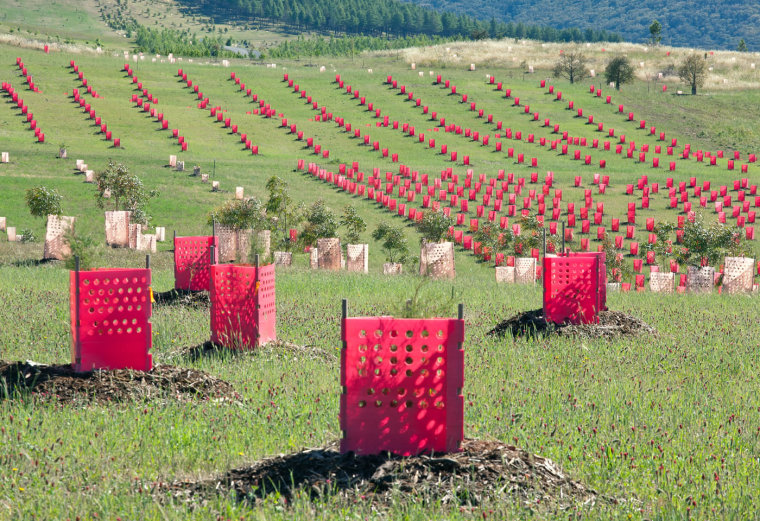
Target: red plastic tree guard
243 310
402 385
110 319
191 262
574 288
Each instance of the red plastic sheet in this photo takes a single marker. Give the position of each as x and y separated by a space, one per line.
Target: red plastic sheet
574 288
402 385
110 319
191 262
243 310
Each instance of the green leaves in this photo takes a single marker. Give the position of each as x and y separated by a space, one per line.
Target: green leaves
434 226
321 223
126 190
394 242
354 223
43 201
240 214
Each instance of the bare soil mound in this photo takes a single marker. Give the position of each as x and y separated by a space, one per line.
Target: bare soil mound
612 324
182 297
60 383
482 471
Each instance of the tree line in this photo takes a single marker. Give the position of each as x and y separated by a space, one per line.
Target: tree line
386 18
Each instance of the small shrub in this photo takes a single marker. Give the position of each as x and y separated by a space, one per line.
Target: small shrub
354 223
27 236
240 214
434 226
43 201
393 242
321 223
424 304
82 246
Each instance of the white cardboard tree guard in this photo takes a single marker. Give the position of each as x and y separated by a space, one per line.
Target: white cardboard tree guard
264 243
204 178
11 233
525 270
172 161
196 170
238 192
89 176
2 224
215 186
146 242
329 256
79 164
135 231
160 233
83 167
62 153
180 166
357 258
393 268
117 228
283 258
437 260
5 158
700 280
505 274
56 246
314 258
661 282
737 275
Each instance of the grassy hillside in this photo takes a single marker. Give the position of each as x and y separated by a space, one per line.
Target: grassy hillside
661 427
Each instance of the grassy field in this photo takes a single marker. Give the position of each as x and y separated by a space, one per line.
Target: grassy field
667 425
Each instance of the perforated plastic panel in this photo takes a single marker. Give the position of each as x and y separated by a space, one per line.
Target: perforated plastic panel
700 280
505 274
191 261
357 258
402 385
110 319
243 310
525 270
573 288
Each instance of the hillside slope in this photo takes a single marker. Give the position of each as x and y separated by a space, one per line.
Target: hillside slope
719 25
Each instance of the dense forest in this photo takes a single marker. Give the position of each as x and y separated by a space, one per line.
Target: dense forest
719 24
384 18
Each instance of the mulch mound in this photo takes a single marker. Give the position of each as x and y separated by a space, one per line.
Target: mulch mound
612 324
182 297
482 471
209 349
60 383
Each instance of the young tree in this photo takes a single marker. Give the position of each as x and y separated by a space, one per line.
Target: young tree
434 226
281 212
321 223
240 214
619 71
126 191
742 47
353 223
43 201
693 71
655 32
394 242
571 65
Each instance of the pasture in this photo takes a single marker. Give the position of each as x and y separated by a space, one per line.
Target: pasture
660 427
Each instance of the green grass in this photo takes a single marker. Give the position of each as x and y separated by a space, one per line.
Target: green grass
611 413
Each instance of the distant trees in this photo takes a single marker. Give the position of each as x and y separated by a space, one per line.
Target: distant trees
619 71
742 47
571 65
655 32
693 71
